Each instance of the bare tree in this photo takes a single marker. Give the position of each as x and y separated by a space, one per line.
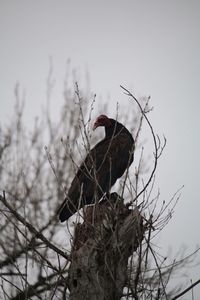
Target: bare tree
105 252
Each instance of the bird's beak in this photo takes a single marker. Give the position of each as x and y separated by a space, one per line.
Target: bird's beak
95 126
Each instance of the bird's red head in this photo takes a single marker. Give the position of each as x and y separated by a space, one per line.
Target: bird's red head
102 120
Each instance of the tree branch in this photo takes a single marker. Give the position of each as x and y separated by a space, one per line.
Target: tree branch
156 146
186 290
32 229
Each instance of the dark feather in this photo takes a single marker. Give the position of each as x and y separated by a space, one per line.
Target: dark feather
103 165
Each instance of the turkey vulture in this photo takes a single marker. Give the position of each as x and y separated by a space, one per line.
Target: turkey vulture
103 165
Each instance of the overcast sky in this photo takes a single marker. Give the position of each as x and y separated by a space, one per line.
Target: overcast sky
151 47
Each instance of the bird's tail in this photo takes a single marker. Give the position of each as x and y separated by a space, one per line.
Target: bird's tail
65 214
66 210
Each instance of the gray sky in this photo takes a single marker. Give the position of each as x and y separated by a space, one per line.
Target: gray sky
151 47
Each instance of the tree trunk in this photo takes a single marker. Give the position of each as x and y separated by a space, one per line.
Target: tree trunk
102 245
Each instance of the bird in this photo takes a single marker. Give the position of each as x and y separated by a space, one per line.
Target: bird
103 165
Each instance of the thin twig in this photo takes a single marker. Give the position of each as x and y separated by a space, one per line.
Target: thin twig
156 154
186 290
32 229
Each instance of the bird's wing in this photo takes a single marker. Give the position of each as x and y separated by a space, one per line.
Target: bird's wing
112 157
103 165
